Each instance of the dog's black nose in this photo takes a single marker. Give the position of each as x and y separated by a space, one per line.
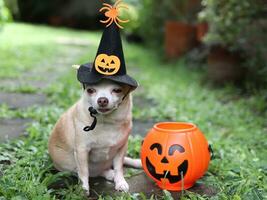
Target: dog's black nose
102 101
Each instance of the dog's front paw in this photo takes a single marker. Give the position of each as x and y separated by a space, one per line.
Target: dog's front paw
86 189
86 192
122 186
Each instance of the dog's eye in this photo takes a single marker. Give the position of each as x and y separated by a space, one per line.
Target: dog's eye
117 90
90 91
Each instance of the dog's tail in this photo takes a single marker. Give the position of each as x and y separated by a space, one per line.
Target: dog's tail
136 163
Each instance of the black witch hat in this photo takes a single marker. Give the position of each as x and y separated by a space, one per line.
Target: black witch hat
109 62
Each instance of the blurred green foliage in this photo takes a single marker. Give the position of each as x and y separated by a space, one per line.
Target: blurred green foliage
13 8
239 26
4 13
132 14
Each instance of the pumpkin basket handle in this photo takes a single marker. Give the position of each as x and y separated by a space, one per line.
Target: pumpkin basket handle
211 152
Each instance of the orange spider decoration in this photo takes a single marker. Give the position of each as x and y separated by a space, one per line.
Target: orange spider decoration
112 13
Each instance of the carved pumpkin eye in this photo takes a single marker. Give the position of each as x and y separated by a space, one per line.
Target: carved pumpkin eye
112 62
156 146
176 147
103 60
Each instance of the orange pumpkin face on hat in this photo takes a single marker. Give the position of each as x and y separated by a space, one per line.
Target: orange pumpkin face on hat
109 62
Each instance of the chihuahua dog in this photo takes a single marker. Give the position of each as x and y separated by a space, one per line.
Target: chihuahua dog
101 151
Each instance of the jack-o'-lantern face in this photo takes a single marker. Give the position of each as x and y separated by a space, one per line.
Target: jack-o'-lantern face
163 167
107 65
175 155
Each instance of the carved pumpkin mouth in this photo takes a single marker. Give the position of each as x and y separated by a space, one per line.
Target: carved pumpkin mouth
104 69
172 178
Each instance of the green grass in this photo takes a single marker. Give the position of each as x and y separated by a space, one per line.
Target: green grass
28 89
233 123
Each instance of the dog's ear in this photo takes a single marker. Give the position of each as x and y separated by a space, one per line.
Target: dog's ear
76 66
126 89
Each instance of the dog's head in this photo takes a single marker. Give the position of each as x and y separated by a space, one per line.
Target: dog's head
105 96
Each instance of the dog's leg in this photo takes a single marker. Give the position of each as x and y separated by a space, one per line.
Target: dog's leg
108 174
81 157
120 182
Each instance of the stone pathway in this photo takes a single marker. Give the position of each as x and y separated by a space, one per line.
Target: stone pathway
142 127
12 128
19 100
140 183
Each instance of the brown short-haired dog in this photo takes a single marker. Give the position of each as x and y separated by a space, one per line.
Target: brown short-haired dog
99 152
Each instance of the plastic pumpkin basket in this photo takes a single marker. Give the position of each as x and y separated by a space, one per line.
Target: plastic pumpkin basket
175 155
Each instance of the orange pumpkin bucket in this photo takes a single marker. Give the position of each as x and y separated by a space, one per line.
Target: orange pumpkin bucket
175 155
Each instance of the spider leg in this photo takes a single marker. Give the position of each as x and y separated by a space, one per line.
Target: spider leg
105 4
105 21
104 8
115 20
123 6
117 3
122 21
110 22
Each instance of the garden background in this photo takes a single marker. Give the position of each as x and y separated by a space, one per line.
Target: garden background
199 61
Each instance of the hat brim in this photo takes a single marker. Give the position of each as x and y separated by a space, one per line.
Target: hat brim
86 76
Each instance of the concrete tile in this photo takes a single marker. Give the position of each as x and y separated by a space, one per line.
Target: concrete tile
17 100
12 128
